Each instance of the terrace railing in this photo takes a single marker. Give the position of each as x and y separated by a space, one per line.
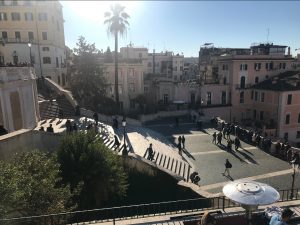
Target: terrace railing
136 211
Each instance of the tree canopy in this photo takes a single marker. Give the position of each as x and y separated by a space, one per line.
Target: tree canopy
30 185
86 161
87 80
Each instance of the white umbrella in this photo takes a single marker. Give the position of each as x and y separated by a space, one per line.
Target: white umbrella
250 194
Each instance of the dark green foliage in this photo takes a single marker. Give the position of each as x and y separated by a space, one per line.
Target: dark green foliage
88 163
145 188
29 185
87 80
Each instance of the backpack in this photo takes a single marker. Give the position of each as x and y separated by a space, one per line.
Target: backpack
228 165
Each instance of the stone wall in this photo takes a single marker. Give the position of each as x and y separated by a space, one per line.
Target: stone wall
26 140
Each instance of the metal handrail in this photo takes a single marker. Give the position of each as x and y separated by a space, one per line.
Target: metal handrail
138 211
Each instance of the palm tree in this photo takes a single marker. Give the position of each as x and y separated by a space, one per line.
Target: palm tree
117 23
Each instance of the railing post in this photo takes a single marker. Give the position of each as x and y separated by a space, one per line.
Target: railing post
114 222
223 204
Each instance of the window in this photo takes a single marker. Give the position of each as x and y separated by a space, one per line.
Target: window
132 104
256 80
287 119
298 134
131 87
18 35
280 65
256 96
243 80
149 64
15 16
252 94
208 98
43 17
166 98
45 49
29 16
254 114
175 68
181 68
3 16
242 94
223 101
44 36
46 60
4 35
261 115
283 65
289 100
299 118
146 89
224 80
30 36
262 97
257 66
267 66
57 64
243 67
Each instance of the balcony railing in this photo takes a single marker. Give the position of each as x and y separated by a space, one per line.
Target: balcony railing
137 211
5 41
246 86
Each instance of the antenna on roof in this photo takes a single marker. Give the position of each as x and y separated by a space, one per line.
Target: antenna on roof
268 33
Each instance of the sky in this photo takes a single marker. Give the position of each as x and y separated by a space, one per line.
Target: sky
184 26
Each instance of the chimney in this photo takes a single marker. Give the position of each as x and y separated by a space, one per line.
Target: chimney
289 50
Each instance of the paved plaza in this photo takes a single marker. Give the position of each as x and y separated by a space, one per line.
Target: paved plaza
208 158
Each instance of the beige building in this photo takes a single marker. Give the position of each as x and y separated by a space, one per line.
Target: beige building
33 31
18 98
276 104
243 71
131 82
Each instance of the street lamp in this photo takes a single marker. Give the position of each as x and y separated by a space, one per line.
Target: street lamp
124 151
15 58
29 45
294 163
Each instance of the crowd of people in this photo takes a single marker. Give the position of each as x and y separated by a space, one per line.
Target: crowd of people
251 136
10 64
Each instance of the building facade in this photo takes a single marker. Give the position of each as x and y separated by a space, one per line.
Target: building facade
18 98
33 31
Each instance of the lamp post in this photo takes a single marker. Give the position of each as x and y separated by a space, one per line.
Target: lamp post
293 162
124 151
15 58
29 45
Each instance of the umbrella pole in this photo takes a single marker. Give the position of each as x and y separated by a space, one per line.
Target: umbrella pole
248 216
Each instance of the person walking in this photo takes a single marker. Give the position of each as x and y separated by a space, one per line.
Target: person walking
179 140
214 140
96 118
150 152
229 144
228 166
237 143
219 136
179 148
183 141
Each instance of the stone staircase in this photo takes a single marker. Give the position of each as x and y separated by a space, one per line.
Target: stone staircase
165 154
51 109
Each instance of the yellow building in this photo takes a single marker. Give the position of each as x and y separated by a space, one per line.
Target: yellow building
33 31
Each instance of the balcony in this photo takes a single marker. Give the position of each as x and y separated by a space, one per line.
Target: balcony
5 41
239 86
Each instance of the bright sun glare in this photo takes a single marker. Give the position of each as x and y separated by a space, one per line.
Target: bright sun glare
94 10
